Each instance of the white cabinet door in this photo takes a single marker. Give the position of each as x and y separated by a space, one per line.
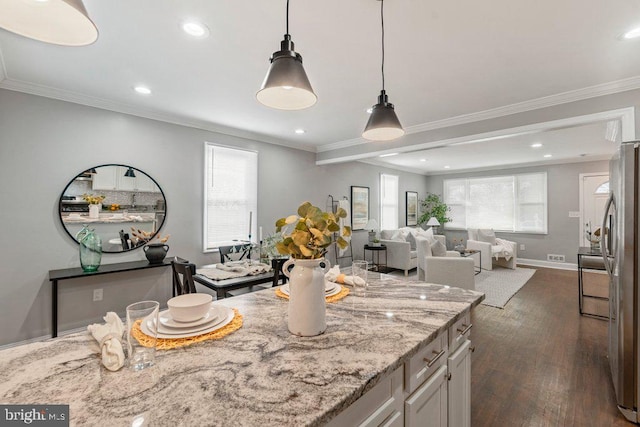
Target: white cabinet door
146 184
460 386
427 406
126 183
105 179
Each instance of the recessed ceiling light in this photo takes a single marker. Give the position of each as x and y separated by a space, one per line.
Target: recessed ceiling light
369 110
447 167
195 29
299 131
547 155
423 160
142 90
632 34
536 145
388 155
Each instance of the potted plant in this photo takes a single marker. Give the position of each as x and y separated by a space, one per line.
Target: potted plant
95 204
433 206
306 238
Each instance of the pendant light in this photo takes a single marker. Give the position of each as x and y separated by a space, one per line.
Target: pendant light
286 86
130 173
383 124
61 22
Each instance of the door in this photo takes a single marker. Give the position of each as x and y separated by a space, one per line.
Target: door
594 194
427 406
460 386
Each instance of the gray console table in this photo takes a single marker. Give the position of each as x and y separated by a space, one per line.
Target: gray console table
74 273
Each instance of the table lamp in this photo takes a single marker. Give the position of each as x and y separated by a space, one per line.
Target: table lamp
433 222
372 226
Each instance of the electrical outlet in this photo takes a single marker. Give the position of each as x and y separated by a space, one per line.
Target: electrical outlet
97 294
555 258
522 246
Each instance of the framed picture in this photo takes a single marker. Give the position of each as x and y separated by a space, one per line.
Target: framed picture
412 208
359 207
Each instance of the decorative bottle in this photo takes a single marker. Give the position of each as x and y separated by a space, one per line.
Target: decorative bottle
90 251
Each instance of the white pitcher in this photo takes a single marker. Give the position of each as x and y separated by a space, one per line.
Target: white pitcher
307 305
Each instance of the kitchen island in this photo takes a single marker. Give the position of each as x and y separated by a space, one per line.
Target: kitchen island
258 375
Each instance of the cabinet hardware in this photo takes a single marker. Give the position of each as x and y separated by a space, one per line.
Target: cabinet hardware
466 328
472 349
438 356
449 376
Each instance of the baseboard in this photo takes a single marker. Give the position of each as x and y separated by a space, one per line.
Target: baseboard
547 264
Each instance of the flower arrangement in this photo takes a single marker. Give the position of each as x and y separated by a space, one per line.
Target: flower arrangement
93 199
592 237
313 232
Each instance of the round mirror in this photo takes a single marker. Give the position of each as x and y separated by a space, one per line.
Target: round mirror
124 205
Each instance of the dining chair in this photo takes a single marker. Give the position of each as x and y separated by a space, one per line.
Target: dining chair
183 272
124 240
239 251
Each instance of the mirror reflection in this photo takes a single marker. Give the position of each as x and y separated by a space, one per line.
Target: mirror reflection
124 205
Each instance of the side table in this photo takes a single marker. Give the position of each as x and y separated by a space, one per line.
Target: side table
591 260
471 252
376 265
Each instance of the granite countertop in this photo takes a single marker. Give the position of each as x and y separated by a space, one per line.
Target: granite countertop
108 219
258 375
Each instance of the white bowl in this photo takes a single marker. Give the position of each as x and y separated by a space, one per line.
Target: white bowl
189 307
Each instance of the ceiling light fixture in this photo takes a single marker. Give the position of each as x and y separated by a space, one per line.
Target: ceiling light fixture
447 167
423 160
142 90
546 156
130 173
383 124
61 22
195 29
388 155
300 131
286 86
536 145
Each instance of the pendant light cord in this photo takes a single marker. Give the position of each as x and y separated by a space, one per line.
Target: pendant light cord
382 21
287 17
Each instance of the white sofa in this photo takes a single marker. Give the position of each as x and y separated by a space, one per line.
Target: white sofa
494 251
452 269
399 253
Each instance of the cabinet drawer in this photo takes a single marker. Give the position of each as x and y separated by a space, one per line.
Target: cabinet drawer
460 332
383 405
425 363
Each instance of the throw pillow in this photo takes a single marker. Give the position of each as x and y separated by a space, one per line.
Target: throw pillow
438 249
398 237
488 236
412 241
427 234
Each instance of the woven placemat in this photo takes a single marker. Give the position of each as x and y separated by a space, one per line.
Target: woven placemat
333 298
169 343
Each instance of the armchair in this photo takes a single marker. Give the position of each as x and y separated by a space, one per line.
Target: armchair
494 250
399 253
451 269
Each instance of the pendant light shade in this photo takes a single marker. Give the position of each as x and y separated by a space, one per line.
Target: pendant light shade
286 85
383 124
130 173
61 22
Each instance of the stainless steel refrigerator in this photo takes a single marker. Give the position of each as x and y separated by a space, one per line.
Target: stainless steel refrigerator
621 254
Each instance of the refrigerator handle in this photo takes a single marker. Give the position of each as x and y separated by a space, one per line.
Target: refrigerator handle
604 239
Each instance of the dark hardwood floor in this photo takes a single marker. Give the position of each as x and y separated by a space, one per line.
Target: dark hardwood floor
538 362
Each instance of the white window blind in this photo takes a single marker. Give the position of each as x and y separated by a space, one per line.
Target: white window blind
388 202
504 203
230 194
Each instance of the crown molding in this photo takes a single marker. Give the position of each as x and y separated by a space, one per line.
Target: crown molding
610 88
3 70
104 104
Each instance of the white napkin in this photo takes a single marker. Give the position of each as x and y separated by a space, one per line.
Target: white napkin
334 275
109 338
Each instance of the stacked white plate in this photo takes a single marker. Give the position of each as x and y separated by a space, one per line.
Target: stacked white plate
217 317
330 288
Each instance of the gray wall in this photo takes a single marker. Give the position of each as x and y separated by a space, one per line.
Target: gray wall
44 143
563 196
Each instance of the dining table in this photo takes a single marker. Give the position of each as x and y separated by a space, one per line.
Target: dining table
260 374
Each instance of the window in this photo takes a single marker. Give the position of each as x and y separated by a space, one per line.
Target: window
388 202
504 203
230 194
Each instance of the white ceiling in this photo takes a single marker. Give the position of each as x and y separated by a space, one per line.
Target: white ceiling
443 59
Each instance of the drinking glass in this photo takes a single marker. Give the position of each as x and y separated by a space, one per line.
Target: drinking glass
141 356
360 268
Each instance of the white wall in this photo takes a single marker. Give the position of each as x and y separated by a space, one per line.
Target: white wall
44 143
